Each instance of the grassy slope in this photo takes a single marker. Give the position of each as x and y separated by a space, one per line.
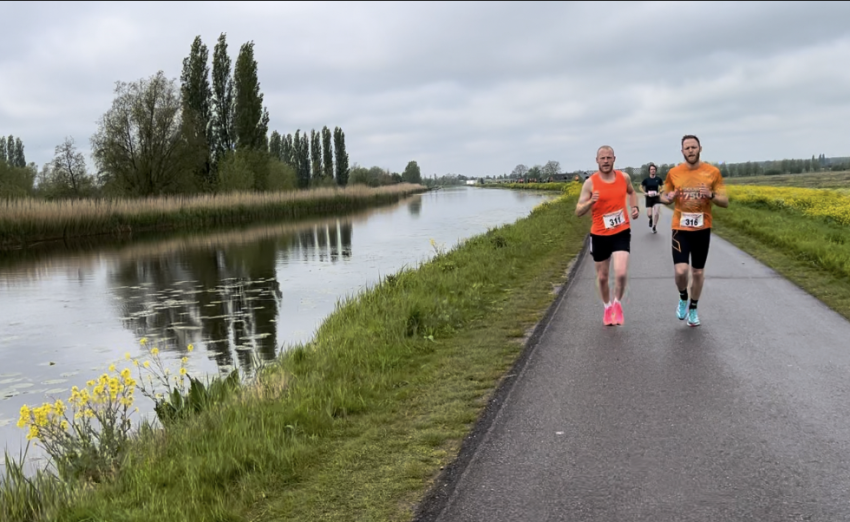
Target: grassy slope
372 409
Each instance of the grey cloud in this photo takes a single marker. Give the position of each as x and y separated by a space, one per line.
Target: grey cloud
464 87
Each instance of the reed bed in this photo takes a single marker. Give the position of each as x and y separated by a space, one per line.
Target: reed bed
27 221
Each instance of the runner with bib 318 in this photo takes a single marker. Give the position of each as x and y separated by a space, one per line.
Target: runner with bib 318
606 192
693 186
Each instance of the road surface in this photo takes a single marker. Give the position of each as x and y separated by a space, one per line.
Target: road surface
746 417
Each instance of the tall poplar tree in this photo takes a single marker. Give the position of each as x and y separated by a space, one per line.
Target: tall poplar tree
250 118
327 153
20 159
304 159
276 146
316 155
196 100
3 150
341 157
222 101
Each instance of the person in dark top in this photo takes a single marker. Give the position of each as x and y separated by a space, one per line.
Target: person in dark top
651 186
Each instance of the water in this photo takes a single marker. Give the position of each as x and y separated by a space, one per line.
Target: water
237 295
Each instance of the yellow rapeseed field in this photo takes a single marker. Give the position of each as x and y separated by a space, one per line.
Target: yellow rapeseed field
826 204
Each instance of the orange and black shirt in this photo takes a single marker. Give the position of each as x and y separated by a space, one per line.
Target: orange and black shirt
609 214
692 211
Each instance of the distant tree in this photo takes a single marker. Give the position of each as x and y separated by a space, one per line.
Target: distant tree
138 148
411 173
2 150
519 171
20 160
286 150
276 146
630 171
327 154
235 172
551 168
341 157
282 176
535 172
222 131
16 182
65 175
10 149
196 97
302 153
316 156
250 119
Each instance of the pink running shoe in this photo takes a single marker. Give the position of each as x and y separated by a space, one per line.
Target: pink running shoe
617 313
608 316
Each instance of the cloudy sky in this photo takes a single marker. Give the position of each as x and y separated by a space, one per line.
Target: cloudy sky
468 88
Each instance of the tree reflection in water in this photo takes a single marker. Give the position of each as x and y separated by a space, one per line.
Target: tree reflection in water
222 296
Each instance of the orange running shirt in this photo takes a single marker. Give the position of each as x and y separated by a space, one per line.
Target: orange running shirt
691 211
609 213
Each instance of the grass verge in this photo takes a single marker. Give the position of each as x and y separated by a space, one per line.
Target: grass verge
812 253
837 180
357 424
27 221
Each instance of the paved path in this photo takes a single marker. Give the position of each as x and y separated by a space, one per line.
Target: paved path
745 418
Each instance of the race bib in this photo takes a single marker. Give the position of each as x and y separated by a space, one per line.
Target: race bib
691 220
614 219
652 193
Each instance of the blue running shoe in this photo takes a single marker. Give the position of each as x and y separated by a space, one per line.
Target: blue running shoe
693 318
682 311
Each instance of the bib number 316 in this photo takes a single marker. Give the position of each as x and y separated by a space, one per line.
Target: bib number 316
614 219
691 220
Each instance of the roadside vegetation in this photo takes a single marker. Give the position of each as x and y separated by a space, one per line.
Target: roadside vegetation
804 234
352 426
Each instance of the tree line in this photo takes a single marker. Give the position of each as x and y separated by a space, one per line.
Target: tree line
206 134
818 163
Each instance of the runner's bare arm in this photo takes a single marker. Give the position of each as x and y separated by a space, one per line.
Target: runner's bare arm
667 190
633 202
721 199
585 199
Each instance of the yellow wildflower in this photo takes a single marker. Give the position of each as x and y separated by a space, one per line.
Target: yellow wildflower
182 371
155 351
191 347
143 341
147 364
184 360
111 367
127 356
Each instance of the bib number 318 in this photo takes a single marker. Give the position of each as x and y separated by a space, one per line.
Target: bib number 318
614 219
691 220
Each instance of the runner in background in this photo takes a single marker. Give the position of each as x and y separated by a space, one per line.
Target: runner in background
651 186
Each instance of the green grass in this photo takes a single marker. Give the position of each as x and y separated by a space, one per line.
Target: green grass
812 253
834 180
357 424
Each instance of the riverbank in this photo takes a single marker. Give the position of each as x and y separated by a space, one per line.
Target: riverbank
371 410
26 222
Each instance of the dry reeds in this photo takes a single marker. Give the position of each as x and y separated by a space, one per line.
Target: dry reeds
25 221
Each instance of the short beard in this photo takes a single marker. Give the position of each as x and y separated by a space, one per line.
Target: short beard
694 162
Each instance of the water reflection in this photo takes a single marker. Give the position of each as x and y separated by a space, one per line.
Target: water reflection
415 206
225 299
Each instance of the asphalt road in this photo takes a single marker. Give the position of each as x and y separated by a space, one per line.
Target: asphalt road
746 417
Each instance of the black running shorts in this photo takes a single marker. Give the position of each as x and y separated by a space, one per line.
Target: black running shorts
601 247
651 201
691 247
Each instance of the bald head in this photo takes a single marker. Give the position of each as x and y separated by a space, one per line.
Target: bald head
605 159
607 148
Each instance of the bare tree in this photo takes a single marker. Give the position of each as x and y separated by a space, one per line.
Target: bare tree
519 171
551 168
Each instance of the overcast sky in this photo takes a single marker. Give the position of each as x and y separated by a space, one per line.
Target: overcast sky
468 88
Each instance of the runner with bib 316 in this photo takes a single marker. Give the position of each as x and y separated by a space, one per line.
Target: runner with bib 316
693 186
606 192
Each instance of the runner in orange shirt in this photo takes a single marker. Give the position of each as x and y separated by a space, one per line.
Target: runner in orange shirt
605 192
693 186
